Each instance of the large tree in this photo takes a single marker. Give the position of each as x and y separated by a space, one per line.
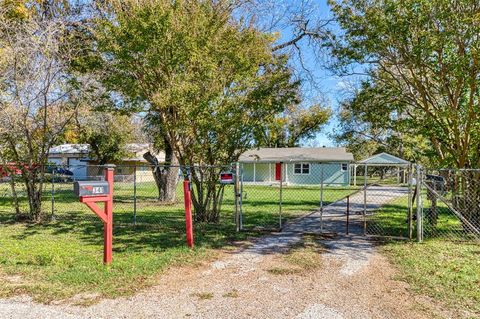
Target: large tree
209 83
422 59
371 121
425 54
38 96
295 125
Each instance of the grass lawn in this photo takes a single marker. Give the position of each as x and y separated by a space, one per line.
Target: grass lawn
63 258
445 266
447 271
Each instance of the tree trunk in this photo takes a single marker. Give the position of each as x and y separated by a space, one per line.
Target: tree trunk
34 193
206 195
15 203
166 176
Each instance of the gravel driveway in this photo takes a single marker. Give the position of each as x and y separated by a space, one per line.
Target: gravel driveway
354 281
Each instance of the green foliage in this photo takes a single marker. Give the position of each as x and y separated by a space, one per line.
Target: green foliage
208 84
372 121
422 60
107 134
212 83
295 125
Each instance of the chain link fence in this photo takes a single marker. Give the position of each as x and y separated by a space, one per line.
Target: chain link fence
401 202
451 204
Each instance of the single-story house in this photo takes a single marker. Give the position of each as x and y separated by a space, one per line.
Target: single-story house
75 157
297 166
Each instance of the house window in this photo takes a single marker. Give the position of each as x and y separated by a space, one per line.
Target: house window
301 169
344 167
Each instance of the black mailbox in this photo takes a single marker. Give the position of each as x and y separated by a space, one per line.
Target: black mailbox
91 188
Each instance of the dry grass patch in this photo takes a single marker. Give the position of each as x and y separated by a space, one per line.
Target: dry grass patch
203 295
231 294
301 258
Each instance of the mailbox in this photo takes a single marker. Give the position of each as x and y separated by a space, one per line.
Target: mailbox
91 188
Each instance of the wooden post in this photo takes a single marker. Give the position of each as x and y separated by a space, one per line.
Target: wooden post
280 199
106 215
236 189
188 212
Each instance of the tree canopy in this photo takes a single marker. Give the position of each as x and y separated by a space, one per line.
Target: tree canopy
210 84
424 54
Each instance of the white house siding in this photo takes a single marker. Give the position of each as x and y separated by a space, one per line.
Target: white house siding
333 174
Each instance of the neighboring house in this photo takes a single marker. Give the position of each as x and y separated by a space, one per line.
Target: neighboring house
75 158
297 165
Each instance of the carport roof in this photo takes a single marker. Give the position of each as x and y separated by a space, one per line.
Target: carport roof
296 154
384 159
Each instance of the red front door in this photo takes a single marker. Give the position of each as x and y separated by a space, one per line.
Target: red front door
278 171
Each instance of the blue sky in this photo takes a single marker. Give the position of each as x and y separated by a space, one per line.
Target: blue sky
329 84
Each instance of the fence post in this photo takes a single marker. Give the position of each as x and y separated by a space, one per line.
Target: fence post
348 214
281 197
419 205
135 194
241 196
321 197
410 202
237 193
365 200
53 194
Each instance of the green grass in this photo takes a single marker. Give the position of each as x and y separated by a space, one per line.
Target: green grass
446 266
447 271
63 258
391 220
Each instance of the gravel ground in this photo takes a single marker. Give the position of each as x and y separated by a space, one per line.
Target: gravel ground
354 281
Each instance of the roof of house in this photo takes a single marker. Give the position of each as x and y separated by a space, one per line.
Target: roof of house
70 149
137 150
384 159
297 154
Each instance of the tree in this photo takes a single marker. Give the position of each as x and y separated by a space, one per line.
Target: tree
211 83
425 53
294 125
38 98
107 134
370 123
425 56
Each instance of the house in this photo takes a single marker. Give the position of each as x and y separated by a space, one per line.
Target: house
297 165
75 157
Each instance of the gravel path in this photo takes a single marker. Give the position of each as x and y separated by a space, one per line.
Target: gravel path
354 281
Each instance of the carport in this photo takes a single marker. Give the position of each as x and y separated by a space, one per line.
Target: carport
382 160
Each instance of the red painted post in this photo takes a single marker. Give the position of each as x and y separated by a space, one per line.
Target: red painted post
188 212
108 225
106 215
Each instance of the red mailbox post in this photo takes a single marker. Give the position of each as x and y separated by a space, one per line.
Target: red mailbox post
188 212
92 192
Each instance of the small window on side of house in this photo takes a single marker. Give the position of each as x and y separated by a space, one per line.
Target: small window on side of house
344 167
297 169
305 168
301 169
